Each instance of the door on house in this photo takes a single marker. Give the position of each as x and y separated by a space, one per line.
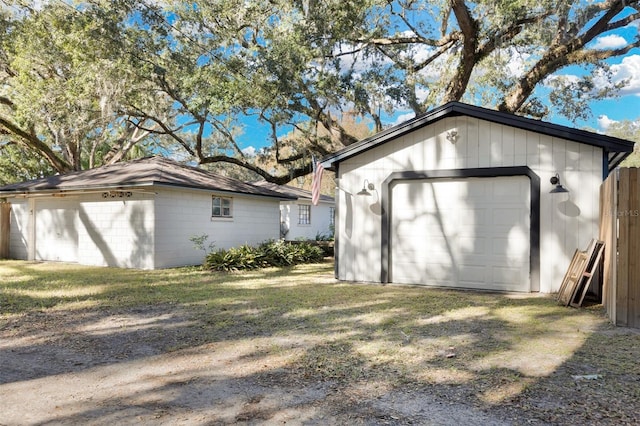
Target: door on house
5 224
56 229
467 233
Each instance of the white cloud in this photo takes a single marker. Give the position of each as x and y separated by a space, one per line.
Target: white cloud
605 122
249 151
517 62
612 41
628 69
402 118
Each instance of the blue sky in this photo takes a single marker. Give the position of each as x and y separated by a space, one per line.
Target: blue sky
627 105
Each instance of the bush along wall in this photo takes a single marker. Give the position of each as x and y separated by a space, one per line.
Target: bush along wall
269 253
325 245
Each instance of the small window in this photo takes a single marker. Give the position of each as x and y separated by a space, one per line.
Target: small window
304 214
221 207
332 216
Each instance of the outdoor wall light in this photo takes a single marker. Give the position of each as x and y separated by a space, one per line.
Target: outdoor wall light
452 136
366 187
555 180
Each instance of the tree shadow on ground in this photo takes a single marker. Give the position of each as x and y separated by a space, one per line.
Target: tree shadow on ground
273 344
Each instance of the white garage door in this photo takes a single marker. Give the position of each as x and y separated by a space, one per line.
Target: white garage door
56 233
470 233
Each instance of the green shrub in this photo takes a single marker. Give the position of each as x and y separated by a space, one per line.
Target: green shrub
307 253
235 259
269 253
281 253
278 253
324 237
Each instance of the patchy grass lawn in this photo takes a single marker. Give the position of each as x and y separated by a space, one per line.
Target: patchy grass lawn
515 358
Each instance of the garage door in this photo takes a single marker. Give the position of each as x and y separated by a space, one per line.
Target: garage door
56 230
469 233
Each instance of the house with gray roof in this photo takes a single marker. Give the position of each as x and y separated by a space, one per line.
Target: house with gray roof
139 214
300 219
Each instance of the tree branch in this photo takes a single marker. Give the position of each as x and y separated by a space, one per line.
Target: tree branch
303 170
558 56
31 141
598 55
167 131
6 101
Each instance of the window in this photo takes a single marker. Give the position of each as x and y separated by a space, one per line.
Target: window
221 207
304 214
332 216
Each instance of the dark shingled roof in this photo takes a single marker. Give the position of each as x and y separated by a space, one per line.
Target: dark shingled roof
292 191
144 172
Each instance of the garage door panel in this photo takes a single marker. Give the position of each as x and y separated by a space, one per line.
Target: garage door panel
56 230
412 256
472 245
504 248
502 216
471 232
473 273
506 277
429 273
421 225
506 190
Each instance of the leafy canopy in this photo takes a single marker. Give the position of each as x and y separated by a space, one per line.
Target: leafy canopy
96 82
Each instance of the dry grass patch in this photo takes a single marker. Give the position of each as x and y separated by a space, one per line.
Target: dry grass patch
511 356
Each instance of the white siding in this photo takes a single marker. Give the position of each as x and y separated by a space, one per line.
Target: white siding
184 214
568 221
320 220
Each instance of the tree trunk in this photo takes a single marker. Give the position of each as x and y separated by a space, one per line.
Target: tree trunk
458 84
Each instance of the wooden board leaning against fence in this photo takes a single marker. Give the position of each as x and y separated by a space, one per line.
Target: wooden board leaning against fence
580 274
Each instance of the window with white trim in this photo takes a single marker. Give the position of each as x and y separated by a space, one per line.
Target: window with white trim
221 206
304 214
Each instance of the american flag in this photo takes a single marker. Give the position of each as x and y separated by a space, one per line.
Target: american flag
316 181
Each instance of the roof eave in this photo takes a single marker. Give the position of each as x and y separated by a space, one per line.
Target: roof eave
99 188
72 190
275 195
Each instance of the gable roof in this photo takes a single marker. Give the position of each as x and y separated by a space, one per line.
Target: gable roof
616 149
299 193
141 173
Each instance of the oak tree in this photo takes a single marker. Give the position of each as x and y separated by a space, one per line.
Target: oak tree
84 84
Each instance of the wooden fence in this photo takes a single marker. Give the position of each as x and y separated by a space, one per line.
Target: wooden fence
5 218
620 231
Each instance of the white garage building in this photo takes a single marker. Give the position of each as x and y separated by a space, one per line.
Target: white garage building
460 197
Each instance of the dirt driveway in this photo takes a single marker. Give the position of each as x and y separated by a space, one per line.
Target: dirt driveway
72 369
169 363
